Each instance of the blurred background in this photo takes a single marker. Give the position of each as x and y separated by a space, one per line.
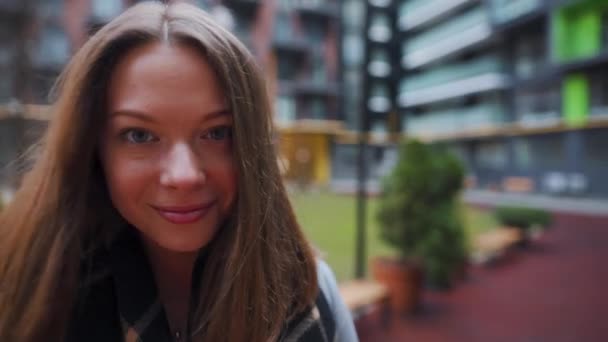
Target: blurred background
516 91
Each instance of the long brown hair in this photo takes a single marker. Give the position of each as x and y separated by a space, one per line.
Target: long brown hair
260 270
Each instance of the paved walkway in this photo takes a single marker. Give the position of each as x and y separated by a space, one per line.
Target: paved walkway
555 291
585 206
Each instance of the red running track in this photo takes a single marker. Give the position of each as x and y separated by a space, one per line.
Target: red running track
557 290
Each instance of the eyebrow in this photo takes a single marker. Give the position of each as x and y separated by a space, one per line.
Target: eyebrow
148 118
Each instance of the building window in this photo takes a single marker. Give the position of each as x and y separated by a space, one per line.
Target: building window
599 94
507 10
523 153
286 70
283 30
544 152
530 55
380 3
312 3
204 4
285 110
317 108
538 106
353 13
353 50
491 155
51 50
316 34
106 9
595 149
319 69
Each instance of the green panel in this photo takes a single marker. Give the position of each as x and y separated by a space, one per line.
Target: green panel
576 30
559 35
587 30
575 106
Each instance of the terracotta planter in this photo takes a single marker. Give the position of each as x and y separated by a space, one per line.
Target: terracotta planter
403 279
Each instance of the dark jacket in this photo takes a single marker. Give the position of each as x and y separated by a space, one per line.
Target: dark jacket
119 302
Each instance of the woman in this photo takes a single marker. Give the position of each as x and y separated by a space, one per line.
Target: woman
154 210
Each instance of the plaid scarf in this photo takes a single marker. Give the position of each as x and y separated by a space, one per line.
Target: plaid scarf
119 302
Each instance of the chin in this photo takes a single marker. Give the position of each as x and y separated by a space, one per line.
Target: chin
184 244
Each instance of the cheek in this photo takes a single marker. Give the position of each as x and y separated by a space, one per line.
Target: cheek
126 178
224 174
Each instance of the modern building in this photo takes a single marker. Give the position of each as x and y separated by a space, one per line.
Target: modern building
37 38
516 88
296 42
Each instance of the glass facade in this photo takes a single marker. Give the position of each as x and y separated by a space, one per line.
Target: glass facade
106 9
538 105
51 49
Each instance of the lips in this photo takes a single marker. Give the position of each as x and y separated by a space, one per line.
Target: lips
183 214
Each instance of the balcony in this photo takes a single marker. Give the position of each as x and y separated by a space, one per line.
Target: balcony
316 88
416 13
286 39
539 119
244 7
295 46
451 81
318 9
539 107
455 35
308 88
452 122
504 11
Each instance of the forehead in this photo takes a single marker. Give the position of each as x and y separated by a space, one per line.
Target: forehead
157 76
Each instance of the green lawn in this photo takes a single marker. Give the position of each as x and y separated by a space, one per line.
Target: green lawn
329 220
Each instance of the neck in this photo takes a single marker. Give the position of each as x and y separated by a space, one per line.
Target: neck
173 275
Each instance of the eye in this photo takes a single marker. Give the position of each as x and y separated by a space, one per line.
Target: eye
138 136
218 133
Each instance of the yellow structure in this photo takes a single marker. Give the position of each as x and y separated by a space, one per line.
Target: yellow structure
304 150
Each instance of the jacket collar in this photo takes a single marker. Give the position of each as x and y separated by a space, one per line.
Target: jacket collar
142 315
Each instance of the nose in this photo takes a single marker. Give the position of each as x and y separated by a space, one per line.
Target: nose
182 169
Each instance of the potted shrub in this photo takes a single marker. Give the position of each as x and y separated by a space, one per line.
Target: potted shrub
418 215
523 218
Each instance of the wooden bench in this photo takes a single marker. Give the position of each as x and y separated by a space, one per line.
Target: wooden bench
363 296
494 244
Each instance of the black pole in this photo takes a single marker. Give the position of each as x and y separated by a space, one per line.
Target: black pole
360 252
365 118
361 236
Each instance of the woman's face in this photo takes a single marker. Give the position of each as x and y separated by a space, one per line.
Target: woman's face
166 149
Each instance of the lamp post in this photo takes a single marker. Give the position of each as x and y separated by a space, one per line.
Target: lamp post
378 98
